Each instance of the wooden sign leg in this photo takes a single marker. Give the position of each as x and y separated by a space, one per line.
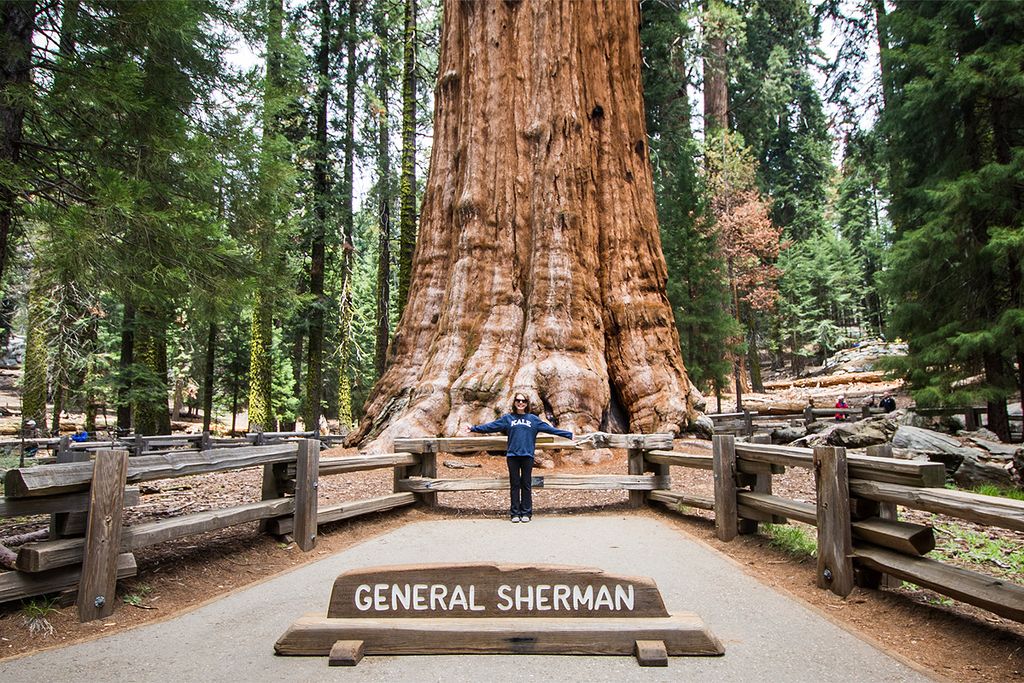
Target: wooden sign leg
651 653
346 653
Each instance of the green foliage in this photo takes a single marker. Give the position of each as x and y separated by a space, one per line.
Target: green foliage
958 164
36 613
964 546
696 285
993 490
791 539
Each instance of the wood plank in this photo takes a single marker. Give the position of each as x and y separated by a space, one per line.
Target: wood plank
699 462
474 444
777 506
69 502
346 653
975 507
17 585
835 544
587 482
635 466
1001 597
683 634
359 463
335 513
427 468
307 468
43 555
726 514
274 485
904 537
651 653
96 591
47 480
892 470
674 499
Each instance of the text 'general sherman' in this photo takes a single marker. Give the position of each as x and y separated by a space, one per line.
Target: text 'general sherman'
506 599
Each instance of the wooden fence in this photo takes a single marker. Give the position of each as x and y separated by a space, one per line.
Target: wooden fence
749 422
859 538
86 502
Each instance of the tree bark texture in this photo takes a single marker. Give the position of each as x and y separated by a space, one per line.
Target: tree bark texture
33 390
538 265
315 355
407 190
345 418
17 21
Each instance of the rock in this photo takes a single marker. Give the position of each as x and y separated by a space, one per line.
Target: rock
983 462
981 467
863 433
982 433
597 456
788 434
703 427
543 463
459 465
931 444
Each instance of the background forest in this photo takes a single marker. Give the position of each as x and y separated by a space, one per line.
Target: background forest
213 204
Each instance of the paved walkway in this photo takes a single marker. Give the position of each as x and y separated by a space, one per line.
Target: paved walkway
767 636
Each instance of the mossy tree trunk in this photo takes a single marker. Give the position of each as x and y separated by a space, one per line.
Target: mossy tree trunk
345 416
407 188
538 264
33 392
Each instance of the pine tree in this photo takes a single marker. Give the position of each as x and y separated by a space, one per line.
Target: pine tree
696 284
407 189
958 162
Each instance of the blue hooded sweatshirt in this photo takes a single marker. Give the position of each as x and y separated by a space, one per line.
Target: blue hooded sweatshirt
522 432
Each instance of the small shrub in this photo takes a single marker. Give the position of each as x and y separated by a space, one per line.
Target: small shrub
791 539
972 548
35 613
993 490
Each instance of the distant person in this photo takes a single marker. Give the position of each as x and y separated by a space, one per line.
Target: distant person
888 403
522 427
81 436
841 404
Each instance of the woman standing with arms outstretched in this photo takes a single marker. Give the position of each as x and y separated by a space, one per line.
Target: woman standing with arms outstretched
522 427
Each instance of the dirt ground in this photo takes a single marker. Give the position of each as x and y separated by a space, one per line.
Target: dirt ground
952 640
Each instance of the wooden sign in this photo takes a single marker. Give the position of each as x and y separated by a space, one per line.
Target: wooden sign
492 590
496 608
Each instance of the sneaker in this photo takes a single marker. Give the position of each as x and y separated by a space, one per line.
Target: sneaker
525 519
515 520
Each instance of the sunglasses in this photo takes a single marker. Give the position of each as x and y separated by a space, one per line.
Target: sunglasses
520 400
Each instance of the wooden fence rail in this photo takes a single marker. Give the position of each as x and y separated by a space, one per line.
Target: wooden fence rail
94 561
859 538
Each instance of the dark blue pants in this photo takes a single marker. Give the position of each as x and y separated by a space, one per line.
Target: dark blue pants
520 485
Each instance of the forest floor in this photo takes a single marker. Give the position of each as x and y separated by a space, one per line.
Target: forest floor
950 639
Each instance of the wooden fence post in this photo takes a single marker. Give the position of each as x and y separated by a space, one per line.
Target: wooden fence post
835 543
748 422
307 471
724 469
636 466
971 419
865 577
97 588
428 468
808 415
204 442
865 412
64 524
274 483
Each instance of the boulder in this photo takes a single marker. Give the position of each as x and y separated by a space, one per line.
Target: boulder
982 467
703 427
788 434
927 444
863 433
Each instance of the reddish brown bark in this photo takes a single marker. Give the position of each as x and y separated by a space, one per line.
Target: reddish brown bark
539 266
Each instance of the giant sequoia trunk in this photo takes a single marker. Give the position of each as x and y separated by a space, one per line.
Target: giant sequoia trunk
538 266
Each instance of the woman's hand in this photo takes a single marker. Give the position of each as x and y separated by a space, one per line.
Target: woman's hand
469 429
